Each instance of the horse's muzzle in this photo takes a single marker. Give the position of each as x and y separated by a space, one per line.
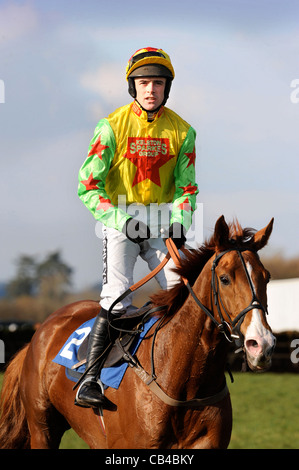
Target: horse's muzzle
259 352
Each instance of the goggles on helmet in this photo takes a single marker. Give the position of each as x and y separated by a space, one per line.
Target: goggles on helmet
150 62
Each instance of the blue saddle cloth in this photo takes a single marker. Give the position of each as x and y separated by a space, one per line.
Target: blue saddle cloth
110 376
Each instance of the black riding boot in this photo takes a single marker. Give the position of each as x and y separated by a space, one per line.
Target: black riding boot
90 393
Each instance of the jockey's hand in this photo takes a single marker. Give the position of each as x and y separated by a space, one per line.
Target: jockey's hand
177 233
136 231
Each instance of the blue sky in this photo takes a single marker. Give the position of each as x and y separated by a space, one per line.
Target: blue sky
63 66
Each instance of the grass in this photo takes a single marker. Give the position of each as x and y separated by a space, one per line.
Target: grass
71 440
265 413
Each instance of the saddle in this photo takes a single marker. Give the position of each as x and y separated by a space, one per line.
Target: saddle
129 326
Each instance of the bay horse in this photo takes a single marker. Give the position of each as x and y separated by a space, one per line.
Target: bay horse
224 298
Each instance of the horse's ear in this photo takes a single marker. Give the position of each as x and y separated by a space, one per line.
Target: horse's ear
260 238
221 233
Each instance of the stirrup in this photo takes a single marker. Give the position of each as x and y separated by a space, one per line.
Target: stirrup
106 403
88 379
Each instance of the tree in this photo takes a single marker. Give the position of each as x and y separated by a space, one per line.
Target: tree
53 276
281 267
49 278
24 282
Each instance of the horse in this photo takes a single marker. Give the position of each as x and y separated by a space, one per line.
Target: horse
221 297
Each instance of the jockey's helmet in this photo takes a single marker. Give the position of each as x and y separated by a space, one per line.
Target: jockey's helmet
149 62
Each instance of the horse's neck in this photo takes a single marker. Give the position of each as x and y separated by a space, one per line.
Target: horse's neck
192 348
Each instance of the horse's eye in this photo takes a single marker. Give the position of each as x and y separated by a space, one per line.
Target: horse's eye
224 279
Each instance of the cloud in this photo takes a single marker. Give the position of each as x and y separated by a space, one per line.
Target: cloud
108 88
107 81
17 21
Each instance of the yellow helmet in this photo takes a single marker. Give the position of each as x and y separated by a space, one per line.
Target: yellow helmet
150 56
149 62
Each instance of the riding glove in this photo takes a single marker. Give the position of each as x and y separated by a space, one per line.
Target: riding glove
177 233
136 231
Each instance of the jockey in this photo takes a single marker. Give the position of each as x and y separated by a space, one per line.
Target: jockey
140 160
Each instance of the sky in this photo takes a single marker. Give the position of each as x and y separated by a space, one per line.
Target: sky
62 68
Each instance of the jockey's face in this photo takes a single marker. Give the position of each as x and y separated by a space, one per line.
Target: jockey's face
150 92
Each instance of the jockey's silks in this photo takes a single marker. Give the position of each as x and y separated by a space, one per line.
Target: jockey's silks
131 160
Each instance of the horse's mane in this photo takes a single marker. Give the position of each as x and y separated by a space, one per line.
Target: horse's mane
195 260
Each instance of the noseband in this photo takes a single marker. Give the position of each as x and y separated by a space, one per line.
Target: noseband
230 328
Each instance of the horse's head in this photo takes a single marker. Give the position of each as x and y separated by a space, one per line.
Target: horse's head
239 282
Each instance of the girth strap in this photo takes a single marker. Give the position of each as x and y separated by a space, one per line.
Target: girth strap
193 403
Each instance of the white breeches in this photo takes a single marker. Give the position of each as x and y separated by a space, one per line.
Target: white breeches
119 259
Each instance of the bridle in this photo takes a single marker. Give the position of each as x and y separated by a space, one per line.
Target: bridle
230 328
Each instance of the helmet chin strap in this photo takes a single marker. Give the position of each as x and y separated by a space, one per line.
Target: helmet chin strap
150 114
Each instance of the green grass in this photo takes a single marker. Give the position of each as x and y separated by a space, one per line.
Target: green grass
265 413
71 440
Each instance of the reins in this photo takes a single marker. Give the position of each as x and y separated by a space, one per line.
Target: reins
133 288
230 328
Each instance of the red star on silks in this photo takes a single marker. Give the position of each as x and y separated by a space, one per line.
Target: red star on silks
148 168
97 148
188 189
185 206
104 204
90 183
191 157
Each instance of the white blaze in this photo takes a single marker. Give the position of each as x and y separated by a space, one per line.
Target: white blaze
258 338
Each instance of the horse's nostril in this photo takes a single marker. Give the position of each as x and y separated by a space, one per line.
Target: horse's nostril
253 347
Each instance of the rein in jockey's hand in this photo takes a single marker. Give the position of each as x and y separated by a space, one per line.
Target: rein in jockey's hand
177 233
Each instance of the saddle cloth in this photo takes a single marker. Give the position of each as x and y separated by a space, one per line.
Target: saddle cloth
110 376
